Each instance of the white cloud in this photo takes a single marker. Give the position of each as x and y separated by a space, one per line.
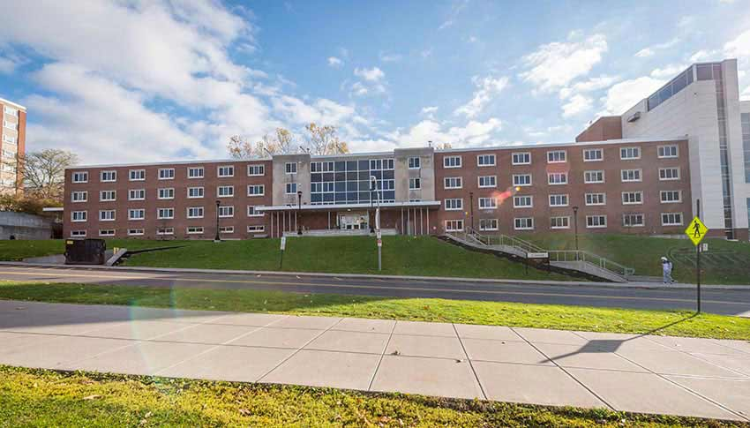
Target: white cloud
472 134
555 65
651 50
645 53
669 71
624 95
371 75
739 48
390 57
7 66
701 55
576 105
429 110
335 62
590 85
372 83
426 53
487 89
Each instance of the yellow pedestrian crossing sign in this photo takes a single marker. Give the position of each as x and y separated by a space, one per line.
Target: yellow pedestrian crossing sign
696 231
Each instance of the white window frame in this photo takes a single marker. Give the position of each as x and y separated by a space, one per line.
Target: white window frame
192 169
262 188
414 162
454 225
130 194
485 157
290 188
107 215
195 210
226 229
83 193
485 201
598 225
253 212
562 174
166 173
256 228
587 177
676 201
199 189
518 198
107 192
140 175
632 192
80 177
458 207
132 211
558 195
252 168
492 178
290 168
627 172
459 164
525 158
136 232
671 168
629 216
167 190
160 216
219 191
682 219
661 151
593 159
528 226
516 177
562 156
494 224
194 230
625 153
458 180
223 208
107 232
565 226
597 204
111 172
165 231
415 183
79 216
225 171
77 233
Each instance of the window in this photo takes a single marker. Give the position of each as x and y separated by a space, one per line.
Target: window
633 220
523 158
256 190
10 111
593 155
256 228
670 196
454 204
226 211
81 177
195 192
452 162
108 176
136 194
486 160
629 153
414 163
670 151
225 191
557 156
162 231
523 201
196 172
557 178
81 196
558 200
488 224
166 193
136 214
671 219
78 216
415 183
488 181
252 211
137 174
194 230
487 203
291 188
632 198
195 212
453 182
290 168
592 177
226 229
596 221
559 222
630 175
523 223
10 125
225 171
107 195
10 140
454 225
596 199
256 170
106 232
107 215
77 233
522 179
165 213
135 232
166 173
666 174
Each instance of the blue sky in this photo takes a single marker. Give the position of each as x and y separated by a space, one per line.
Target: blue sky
128 80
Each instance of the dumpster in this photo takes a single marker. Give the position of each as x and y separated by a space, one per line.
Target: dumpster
85 251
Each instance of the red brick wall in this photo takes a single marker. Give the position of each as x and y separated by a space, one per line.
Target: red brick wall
605 128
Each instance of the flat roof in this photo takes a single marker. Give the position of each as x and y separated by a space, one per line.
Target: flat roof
309 207
4 101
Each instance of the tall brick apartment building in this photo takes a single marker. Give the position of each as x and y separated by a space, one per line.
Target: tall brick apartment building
12 144
637 173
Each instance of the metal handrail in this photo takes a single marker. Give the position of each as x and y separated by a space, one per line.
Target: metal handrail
588 257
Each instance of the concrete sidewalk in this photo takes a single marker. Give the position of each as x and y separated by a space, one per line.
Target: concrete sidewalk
648 374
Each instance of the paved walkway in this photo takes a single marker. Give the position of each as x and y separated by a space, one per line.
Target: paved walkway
649 374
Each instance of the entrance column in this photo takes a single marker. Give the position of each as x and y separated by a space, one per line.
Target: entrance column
428 221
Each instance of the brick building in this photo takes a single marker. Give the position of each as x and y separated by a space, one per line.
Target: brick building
12 144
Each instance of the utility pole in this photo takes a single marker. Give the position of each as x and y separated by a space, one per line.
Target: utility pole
299 209
218 237
378 235
698 257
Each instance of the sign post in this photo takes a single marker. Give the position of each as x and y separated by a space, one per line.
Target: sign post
696 231
283 247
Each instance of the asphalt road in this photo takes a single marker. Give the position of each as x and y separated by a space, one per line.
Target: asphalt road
726 302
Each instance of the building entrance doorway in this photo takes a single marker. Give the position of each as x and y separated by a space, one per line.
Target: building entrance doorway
353 221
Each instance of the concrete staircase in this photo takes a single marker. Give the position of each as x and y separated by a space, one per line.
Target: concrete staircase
579 261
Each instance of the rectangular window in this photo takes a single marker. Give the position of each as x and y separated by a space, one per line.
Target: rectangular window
136 194
225 171
559 222
195 192
135 232
137 174
256 190
226 229
81 177
10 111
671 219
82 196
593 155
415 183
596 221
252 211
454 225
633 220
630 153
256 170
523 223
666 152
488 224
593 177
107 232
670 196
166 173
291 188
452 162
557 156
523 202
166 193
165 213
256 229
630 175
454 204
487 181
632 198
557 178
453 182
194 230
596 199
558 200
667 174
108 176
522 158
196 172
107 215
225 191
290 167
414 163
165 231
487 203
78 216
195 212
77 233
107 195
137 214
226 211
522 180
486 160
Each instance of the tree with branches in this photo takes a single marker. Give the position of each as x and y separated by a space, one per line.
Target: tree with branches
43 173
281 141
324 140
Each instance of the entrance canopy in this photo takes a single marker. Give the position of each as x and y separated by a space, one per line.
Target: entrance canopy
339 207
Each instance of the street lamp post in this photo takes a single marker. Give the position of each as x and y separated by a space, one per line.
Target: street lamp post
217 238
575 225
471 210
299 209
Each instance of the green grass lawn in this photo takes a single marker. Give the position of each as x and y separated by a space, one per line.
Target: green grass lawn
46 398
675 323
20 249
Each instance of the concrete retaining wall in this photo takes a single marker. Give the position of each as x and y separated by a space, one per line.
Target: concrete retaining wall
25 226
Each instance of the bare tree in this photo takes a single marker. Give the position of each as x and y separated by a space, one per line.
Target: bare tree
443 146
43 172
324 140
279 142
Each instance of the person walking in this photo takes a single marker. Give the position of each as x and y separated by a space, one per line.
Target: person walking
666 269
